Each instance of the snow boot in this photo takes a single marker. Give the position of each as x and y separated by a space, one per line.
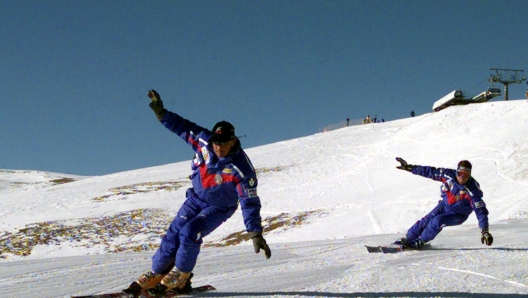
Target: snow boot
402 242
149 279
416 243
409 244
176 279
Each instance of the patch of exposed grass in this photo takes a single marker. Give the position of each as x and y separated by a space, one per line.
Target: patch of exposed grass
137 230
151 223
131 231
282 221
141 188
62 180
271 169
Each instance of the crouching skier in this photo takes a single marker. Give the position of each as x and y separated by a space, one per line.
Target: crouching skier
222 176
461 195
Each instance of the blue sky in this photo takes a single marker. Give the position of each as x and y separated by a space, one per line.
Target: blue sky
74 75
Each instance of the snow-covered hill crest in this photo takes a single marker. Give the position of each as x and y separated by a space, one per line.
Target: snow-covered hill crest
338 184
323 198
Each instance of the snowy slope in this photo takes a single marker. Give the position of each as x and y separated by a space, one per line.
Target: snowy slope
323 196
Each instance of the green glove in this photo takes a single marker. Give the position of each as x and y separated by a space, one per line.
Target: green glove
486 237
404 165
156 104
260 243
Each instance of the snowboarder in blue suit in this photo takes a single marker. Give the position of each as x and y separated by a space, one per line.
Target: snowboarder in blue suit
222 177
461 195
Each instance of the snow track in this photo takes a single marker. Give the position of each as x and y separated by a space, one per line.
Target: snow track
456 263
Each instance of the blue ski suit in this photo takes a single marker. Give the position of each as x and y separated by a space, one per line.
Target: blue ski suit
218 186
458 202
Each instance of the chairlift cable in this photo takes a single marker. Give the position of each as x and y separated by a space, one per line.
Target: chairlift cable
476 85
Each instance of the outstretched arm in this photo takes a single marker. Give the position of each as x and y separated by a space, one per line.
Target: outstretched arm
185 129
424 171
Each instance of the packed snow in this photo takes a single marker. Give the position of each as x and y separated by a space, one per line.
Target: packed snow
323 197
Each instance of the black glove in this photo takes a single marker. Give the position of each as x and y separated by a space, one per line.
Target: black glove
486 237
404 165
259 242
156 104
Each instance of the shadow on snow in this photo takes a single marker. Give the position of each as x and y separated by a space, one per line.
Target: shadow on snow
359 294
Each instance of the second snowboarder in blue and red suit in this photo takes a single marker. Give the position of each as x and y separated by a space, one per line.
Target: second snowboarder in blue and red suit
461 195
222 178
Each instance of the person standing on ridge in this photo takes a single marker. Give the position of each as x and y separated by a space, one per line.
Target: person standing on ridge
222 177
461 195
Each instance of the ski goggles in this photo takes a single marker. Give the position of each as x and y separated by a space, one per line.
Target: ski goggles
221 143
463 172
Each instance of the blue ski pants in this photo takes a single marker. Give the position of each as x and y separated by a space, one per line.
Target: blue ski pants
181 244
431 225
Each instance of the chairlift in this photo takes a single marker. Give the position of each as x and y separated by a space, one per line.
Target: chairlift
494 89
